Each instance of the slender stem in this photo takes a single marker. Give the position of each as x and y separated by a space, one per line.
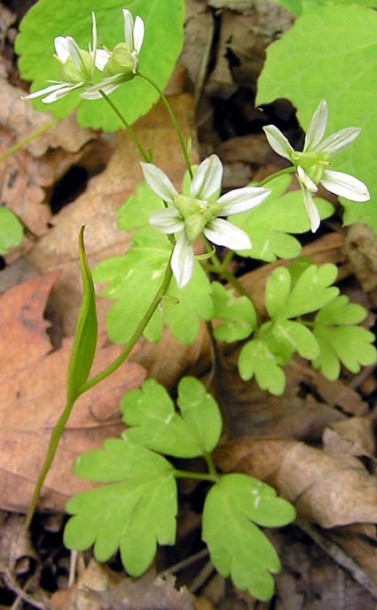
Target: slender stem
174 121
51 450
220 268
133 135
282 172
187 474
60 426
28 139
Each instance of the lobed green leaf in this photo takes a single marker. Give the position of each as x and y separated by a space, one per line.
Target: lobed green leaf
269 225
157 425
257 359
237 546
133 514
238 312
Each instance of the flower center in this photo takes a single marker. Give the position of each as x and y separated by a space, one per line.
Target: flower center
196 214
314 164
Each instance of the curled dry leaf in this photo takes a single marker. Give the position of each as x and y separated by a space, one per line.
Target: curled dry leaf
330 490
33 391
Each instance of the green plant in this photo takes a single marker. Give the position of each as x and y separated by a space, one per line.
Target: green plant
161 281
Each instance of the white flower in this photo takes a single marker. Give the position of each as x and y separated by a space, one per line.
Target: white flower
77 67
312 163
122 64
200 211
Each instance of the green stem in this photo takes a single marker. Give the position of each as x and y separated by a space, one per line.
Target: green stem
282 172
220 268
174 121
127 126
187 474
61 424
28 139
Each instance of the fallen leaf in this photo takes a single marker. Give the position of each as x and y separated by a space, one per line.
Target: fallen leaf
33 387
330 490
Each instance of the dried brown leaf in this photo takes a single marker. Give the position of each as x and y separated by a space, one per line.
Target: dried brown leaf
33 388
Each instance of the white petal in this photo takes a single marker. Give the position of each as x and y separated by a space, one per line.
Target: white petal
311 209
59 93
278 142
334 144
317 127
138 33
74 51
102 57
207 180
241 200
167 221
305 180
223 233
345 185
159 182
61 48
41 92
128 29
94 35
107 85
182 262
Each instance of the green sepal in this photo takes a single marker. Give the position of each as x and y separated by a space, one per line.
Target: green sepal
85 341
233 509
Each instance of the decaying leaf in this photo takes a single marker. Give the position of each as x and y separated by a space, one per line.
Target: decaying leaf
33 390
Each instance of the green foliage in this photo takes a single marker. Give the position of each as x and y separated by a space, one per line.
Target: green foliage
238 312
330 340
269 225
135 211
194 431
134 280
85 342
136 509
333 49
342 342
11 230
134 513
233 509
51 18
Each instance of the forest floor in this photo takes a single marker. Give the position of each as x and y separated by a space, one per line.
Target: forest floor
316 443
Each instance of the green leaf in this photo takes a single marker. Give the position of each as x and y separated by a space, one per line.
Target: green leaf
347 345
298 337
341 311
51 18
85 341
239 313
157 425
133 514
237 546
334 51
257 359
268 225
311 292
134 280
135 212
11 230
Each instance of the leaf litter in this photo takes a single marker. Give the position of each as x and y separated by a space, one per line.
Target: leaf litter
316 444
